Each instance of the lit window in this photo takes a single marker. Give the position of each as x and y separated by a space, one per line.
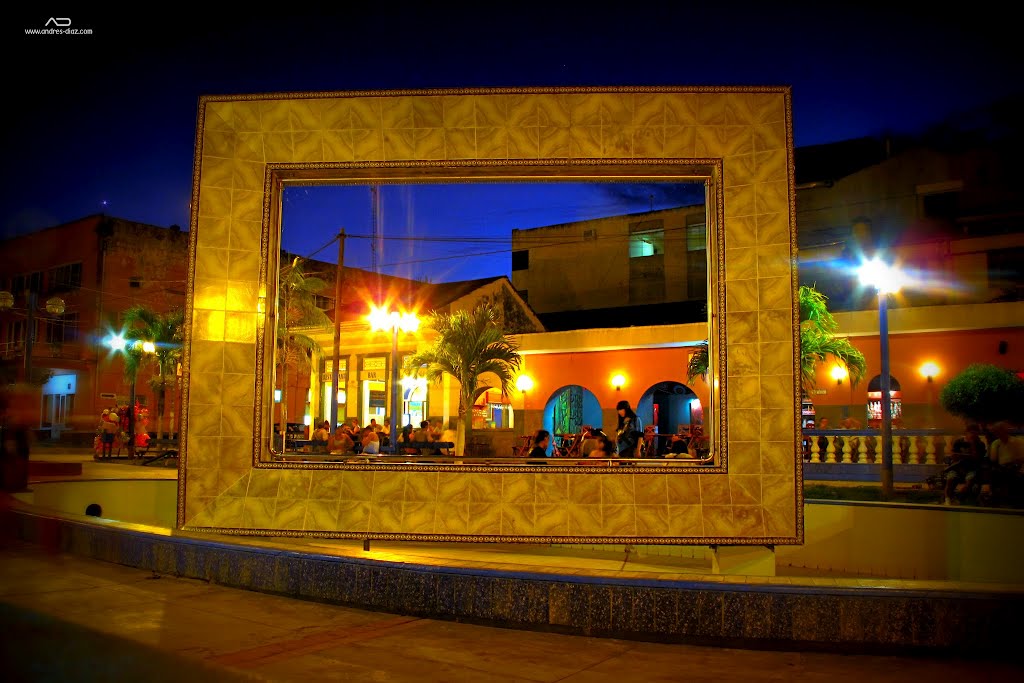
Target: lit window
643 244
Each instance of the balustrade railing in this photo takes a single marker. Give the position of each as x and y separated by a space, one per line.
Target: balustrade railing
863 446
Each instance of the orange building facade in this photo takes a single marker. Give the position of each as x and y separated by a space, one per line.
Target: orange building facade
99 266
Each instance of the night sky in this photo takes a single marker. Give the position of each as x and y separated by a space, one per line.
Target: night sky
106 122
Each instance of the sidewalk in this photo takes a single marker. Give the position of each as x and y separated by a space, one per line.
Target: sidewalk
66 618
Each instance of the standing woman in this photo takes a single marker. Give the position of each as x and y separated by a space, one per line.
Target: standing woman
629 431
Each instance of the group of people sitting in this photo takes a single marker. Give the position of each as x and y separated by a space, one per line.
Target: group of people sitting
349 438
992 474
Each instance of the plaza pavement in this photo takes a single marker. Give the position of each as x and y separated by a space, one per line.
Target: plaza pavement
72 619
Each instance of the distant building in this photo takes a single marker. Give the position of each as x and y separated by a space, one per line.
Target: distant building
100 266
586 273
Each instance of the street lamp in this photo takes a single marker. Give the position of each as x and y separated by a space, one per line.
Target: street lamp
118 343
383 320
887 280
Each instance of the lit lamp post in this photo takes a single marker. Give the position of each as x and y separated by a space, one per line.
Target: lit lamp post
929 371
887 280
383 320
119 344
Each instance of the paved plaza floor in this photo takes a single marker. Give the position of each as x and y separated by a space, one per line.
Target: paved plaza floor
72 619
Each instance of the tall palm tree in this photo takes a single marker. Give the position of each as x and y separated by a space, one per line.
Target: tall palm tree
818 341
469 345
164 330
297 314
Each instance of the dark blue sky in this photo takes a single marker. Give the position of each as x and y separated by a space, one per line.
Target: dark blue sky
106 122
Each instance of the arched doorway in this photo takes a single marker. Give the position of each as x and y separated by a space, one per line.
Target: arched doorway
666 405
875 401
569 408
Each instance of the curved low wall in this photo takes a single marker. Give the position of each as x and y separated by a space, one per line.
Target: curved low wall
139 501
701 612
911 541
876 539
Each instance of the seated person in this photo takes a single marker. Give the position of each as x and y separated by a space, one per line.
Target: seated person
698 445
603 448
449 435
425 434
589 442
370 442
406 437
341 441
678 443
1006 454
966 462
541 441
321 436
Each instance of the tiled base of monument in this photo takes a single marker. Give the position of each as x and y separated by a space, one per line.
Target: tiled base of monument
732 614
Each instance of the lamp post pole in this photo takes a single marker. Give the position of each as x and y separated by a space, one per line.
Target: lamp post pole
393 434
30 334
886 445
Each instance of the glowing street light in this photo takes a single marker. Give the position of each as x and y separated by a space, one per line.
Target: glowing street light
887 280
383 320
929 371
118 344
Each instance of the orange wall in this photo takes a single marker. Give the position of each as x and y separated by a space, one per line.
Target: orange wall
642 369
951 351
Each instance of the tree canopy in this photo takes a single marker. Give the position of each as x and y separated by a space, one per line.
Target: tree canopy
818 341
984 394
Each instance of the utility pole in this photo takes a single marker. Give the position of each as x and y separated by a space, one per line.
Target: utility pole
338 280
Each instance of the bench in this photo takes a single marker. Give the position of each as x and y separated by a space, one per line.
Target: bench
165 450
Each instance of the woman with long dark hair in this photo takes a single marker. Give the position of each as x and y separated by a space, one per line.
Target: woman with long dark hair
629 430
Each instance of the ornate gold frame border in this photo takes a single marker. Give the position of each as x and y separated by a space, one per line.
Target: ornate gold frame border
470 538
278 175
785 91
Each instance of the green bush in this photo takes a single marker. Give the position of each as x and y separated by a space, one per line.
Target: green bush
984 394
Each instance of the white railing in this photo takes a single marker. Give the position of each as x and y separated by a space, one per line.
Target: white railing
862 446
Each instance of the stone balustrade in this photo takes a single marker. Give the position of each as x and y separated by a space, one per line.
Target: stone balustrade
862 446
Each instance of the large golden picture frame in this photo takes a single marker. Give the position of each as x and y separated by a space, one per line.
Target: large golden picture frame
738 140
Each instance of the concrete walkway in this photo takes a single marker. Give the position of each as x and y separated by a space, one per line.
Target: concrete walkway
70 619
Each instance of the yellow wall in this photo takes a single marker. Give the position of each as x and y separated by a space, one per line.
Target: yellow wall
910 542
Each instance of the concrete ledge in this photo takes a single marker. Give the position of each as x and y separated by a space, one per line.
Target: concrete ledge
732 614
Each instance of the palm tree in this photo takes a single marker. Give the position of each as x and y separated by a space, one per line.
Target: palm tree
818 341
297 314
165 332
470 345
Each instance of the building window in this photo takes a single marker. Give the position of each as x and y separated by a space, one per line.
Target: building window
35 282
590 234
643 244
323 303
65 277
135 282
16 332
941 205
61 331
696 261
521 259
